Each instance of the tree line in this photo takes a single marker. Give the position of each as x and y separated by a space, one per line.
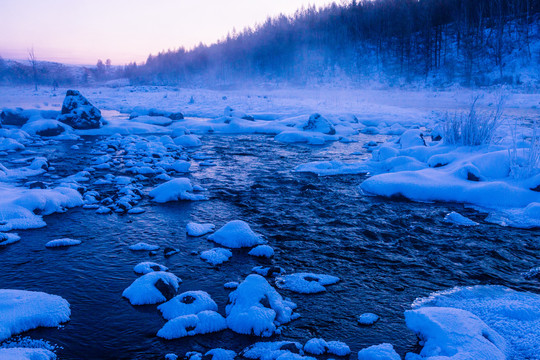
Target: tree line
469 41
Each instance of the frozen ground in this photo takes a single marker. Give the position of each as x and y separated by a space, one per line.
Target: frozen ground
249 157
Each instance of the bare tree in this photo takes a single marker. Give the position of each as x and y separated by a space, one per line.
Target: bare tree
33 63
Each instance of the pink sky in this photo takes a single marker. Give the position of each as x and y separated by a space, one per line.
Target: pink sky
82 31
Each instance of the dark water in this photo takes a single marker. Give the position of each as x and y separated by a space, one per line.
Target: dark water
387 253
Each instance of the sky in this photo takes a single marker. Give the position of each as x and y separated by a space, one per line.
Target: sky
83 31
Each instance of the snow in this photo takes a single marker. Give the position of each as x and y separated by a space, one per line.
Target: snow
236 234
487 321
270 350
188 141
318 346
8 238
187 303
195 229
305 283
19 206
262 251
62 242
26 354
188 325
148 267
379 352
175 190
221 354
216 256
458 219
22 310
144 290
368 319
246 313
142 246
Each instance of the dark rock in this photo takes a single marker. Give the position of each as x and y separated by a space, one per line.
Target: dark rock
436 138
13 117
188 299
37 185
155 268
167 290
537 188
78 112
52 131
311 278
290 347
472 177
320 124
248 117
176 116
169 251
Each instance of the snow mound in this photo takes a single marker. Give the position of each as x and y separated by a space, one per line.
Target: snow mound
216 256
262 251
22 310
379 352
204 322
175 190
306 283
26 354
221 354
7 239
256 308
271 350
236 234
188 141
187 303
318 123
458 219
22 208
368 319
152 288
505 314
148 267
142 246
194 229
319 346
62 242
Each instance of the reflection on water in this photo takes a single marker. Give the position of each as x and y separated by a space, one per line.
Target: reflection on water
387 253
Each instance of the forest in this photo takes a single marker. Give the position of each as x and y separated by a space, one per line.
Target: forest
473 42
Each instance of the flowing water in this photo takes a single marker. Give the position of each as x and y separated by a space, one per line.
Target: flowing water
386 252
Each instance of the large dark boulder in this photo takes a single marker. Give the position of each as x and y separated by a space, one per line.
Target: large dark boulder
13 117
78 112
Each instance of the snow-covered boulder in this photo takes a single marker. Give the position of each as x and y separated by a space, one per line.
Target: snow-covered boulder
478 322
220 354
411 138
204 322
44 127
13 117
236 234
318 123
256 308
195 229
271 350
216 256
188 141
152 288
26 353
62 242
368 319
262 251
231 113
306 283
187 303
317 346
175 190
142 246
78 112
458 219
379 352
22 310
148 267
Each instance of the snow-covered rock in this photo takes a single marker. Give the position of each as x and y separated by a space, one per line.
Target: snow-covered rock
175 190
195 229
26 354
152 288
62 242
236 234
379 352
188 325
318 346
256 308
458 219
262 251
220 354
142 246
271 350
187 303
22 310
368 319
481 322
148 267
78 112
306 283
188 141
216 256
318 123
